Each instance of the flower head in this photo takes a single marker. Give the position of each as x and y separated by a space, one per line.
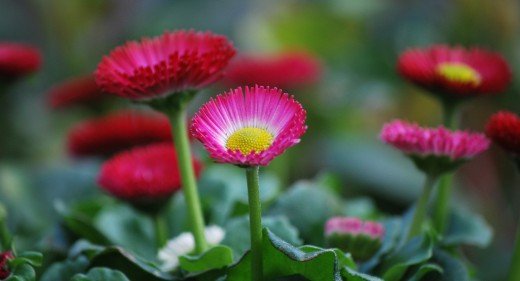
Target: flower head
504 129
185 244
143 173
4 270
17 59
118 131
249 128
77 91
361 238
174 62
455 71
437 147
286 70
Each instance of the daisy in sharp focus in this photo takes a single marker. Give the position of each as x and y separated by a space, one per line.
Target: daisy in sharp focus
249 127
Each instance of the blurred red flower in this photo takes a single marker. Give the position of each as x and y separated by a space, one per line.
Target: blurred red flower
76 91
285 70
4 270
504 129
174 62
455 71
116 132
149 172
18 59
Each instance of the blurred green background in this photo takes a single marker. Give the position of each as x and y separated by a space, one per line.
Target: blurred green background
357 41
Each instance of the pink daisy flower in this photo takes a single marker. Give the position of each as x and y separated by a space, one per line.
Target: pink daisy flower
143 173
285 70
174 62
251 127
439 142
455 71
354 226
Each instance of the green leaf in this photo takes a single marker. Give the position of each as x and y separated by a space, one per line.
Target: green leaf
65 270
101 274
28 257
127 228
453 269
22 272
416 251
425 269
344 259
238 238
351 275
119 259
81 225
467 228
216 257
309 221
282 259
362 207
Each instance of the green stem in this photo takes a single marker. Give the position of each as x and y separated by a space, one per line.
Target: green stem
421 207
5 237
161 230
189 184
255 222
514 268
442 206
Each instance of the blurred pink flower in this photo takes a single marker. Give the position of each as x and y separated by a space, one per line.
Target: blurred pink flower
440 142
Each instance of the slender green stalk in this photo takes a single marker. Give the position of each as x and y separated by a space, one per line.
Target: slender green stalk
5 237
514 268
189 184
161 230
421 207
442 206
255 222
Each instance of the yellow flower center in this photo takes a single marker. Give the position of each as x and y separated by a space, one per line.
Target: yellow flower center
248 139
459 72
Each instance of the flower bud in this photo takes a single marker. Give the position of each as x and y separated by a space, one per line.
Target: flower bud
360 239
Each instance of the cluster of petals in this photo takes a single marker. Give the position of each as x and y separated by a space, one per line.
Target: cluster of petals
440 142
176 61
185 244
421 67
504 129
148 172
18 59
354 226
257 107
118 131
81 90
285 70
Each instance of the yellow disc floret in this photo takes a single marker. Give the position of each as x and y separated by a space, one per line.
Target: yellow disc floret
459 72
248 139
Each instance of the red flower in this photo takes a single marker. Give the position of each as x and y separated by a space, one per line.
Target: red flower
286 70
18 59
4 271
149 172
119 131
455 71
174 62
76 91
504 129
